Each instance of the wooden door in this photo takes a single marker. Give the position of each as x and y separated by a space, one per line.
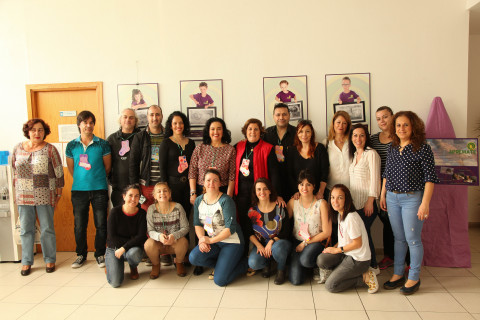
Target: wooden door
45 101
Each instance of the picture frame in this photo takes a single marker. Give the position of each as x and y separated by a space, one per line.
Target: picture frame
296 110
356 111
198 117
139 96
196 134
214 91
359 83
272 88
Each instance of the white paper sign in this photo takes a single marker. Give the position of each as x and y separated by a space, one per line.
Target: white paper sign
67 132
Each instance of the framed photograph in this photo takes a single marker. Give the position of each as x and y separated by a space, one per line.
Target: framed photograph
138 96
199 116
355 110
296 110
349 88
202 94
196 134
287 89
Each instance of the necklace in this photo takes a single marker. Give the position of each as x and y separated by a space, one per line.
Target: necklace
308 210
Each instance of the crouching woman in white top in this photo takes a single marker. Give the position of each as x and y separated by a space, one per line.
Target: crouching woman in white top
346 264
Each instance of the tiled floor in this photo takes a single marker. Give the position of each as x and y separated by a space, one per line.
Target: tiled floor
84 294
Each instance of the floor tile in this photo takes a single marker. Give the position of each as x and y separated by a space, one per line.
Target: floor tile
470 301
460 284
30 294
385 301
133 312
290 300
176 313
112 296
279 314
14 310
155 297
257 282
347 300
7 290
435 302
50 311
95 312
14 278
475 257
167 280
475 269
71 295
88 280
341 315
449 272
445 316
199 298
476 316
288 286
382 315
431 284
239 314
56 279
202 282
244 298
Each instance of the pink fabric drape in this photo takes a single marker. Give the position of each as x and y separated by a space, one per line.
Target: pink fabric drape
445 233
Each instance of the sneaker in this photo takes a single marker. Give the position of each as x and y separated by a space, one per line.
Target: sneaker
385 263
324 274
79 262
166 260
372 282
376 270
148 262
100 261
316 274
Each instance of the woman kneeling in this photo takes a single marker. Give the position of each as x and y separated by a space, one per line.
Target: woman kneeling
167 226
126 233
215 213
346 264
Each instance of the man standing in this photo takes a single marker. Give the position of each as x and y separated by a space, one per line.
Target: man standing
281 136
89 162
144 155
121 144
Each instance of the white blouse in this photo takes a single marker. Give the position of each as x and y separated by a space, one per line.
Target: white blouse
365 177
311 216
339 163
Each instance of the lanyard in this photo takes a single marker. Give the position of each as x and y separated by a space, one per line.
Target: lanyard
248 155
179 147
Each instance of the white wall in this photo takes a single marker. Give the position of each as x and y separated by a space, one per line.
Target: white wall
473 123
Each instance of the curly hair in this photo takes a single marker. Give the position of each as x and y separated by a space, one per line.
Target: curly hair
168 124
268 183
351 146
254 121
296 141
348 207
226 136
331 129
27 126
417 139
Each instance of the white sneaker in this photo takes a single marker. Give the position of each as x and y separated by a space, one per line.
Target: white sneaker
100 261
316 274
372 282
324 274
376 270
79 262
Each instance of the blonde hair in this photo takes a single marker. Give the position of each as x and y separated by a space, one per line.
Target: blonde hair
157 186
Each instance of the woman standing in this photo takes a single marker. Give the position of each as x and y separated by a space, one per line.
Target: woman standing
408 183
346 264
167 226
309 155
126 234
337 147
222 249
37 163
255 159
364 180
381 141
311 230
271 229
175 155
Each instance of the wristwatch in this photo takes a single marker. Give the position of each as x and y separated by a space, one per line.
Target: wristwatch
342 249
305 243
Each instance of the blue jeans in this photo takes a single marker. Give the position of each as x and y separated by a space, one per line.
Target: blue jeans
368 221
280 251
301 260
407 230
27 233
115 267
81 204
226 258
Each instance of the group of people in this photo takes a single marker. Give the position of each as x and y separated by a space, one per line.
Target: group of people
276 201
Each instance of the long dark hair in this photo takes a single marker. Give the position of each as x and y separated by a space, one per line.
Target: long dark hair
348 207
226 136
168 124
268 183
351 146
296 141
